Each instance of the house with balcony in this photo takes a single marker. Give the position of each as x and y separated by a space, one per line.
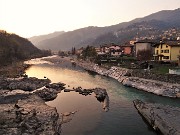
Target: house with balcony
167 51
115 50
104 48
115 53
111 49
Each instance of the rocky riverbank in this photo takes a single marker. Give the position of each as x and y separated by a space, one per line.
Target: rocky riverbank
165 119
29 115
23 109
15 69
22 83
124 76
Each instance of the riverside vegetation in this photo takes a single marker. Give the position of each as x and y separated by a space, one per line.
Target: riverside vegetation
14 48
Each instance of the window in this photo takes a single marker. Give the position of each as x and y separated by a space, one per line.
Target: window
166 46
161 51
166 57
157 51
166 51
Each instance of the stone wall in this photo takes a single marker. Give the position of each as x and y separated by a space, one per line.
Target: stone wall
163 85
153 86
170 78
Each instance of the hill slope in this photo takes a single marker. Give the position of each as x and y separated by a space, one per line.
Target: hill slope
168 16
97 35
15 48
37 39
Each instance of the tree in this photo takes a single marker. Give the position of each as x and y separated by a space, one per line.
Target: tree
61 53
89 53
73 51
14 48
144 55
179 60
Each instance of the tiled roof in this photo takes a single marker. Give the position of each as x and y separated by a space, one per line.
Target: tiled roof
147 41
172 43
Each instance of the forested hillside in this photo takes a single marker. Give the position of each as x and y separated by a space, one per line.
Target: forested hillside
14 48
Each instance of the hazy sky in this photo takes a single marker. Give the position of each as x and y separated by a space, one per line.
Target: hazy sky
34 17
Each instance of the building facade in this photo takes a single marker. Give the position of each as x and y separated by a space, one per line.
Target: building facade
144 45
167 51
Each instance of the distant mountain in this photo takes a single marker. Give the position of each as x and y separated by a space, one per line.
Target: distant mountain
168 16
36 39
75 38
120 33
14 48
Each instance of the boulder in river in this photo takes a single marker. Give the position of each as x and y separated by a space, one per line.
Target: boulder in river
50 91
103 97
47 94
67 116
57 86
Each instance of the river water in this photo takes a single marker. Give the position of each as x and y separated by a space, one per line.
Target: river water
90 118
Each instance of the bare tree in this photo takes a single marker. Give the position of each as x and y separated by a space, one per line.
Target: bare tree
179 60
144 55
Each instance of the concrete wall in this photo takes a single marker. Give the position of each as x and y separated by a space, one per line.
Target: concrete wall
174 71
143 46
175 51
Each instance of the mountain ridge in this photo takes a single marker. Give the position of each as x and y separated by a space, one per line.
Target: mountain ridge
37 39
89 35
14 48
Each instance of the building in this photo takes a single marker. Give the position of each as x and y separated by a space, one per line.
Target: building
132 42
127 49
114 47
104 49
115 53
144 45
97 49
115 50
167 51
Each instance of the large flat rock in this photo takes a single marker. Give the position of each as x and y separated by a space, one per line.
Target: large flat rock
29 116
22 83
166 119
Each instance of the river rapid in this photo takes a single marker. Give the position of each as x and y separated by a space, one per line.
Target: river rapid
90 118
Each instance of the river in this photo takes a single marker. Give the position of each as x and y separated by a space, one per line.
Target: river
90 118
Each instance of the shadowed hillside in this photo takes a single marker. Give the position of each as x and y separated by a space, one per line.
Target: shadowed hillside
14 48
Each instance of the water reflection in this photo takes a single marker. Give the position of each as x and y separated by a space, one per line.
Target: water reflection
100 94
122 118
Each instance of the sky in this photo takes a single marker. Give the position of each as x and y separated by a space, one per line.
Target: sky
36 17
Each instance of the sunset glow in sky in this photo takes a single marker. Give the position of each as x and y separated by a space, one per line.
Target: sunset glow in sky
35 17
